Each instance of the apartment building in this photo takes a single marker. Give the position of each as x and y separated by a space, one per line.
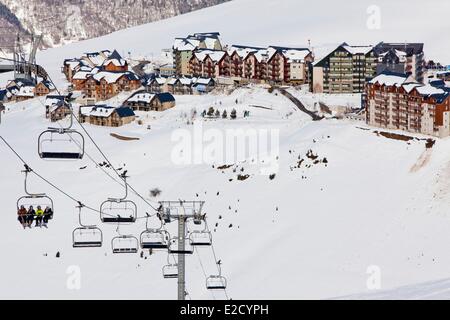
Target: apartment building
183 49
398 101
405 58
345 70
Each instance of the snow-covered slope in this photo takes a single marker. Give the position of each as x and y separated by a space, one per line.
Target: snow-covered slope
311 232
433 290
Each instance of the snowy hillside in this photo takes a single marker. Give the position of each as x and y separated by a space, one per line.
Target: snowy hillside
433 290
310 232
70 21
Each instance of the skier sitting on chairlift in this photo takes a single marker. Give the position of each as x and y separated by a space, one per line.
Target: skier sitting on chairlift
48 213
30 216
22 216
39 215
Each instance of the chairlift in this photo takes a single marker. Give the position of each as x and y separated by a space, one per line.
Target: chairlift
200 238
175 248
166 214
125 244
216 282
86 236
34 199
119 210
154 238
61 143
170 271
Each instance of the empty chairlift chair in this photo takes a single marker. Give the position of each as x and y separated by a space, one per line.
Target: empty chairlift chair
119 210
61 143
125 244
216 282
154 239
200 238
170 271
86 236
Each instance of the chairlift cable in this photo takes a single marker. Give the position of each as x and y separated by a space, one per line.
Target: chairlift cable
203 268
101 152
215 258
44 179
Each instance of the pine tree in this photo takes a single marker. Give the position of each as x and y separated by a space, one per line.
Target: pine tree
233 114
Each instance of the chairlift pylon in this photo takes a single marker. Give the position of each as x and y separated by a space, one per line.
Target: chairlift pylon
174 247
53 142
86 236
119 210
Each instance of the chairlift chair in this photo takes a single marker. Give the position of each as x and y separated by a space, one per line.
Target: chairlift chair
170 271
119 210
200 238
61 143
86 236
175 248
154 239
125 244
34 199
216 282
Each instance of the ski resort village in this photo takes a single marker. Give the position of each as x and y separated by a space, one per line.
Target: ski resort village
189 158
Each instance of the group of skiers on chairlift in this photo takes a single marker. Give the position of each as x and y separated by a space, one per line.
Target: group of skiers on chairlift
26 217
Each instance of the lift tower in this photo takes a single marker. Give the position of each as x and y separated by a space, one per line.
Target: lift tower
181 211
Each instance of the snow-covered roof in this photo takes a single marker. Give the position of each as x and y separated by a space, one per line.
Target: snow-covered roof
53 100
186 81
428 90
182 44
203 81
103 111
215 55
160 80
141 96
390 79
82 75
410 86
116 59
358 49
25 91
73 63
109 77
291 54
95 58
210 43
